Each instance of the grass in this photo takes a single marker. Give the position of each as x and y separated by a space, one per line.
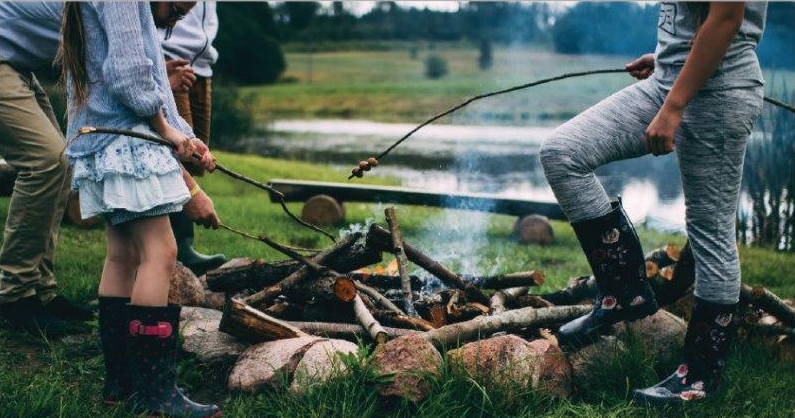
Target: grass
63 378
389 86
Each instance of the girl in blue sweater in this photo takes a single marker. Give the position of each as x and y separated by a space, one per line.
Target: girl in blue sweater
116 78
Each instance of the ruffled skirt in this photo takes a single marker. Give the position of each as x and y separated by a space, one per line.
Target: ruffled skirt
129 179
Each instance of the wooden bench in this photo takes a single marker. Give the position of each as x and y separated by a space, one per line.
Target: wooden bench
324 203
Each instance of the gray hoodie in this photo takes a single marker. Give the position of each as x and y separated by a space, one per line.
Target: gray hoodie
192 38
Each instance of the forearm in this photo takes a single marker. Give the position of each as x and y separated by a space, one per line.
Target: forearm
709 47
189 180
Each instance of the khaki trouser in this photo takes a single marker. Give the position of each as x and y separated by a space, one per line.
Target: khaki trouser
32 143
195 106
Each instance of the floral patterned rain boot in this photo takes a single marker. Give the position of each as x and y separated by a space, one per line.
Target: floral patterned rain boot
614 253
151 353
709 335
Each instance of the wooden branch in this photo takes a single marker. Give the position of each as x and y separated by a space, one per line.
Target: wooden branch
378 237
400 257
324 289
772 329
376 296
516 319
505 281
383 281
268 294
249 324
578 289
368 322
662 257
260 274
350 332
769 302
534 301
500 300
402 321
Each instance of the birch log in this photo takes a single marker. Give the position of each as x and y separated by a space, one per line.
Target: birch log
368 322
400 257
516 319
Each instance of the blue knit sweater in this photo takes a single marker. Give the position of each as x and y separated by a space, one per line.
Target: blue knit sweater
127 75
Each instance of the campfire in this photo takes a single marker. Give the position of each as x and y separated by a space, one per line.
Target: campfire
344 292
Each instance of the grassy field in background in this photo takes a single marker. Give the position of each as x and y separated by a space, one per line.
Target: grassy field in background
390 86
63 378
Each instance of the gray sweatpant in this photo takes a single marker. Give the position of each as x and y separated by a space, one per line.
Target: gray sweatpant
710 146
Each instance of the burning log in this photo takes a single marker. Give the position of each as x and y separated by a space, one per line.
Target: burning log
378 297
271 292
259 274
380 238
244 322
400 257
458 309
505 281
507 321
324 289
500 300
368 322
383 281
769 302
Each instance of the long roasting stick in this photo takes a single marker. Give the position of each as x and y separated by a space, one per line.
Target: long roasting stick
400 257
372 162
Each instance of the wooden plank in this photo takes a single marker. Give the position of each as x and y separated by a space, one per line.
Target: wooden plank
300 190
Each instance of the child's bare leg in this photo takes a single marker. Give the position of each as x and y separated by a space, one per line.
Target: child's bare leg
121 262
154 241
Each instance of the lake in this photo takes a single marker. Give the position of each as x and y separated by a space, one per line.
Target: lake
484 159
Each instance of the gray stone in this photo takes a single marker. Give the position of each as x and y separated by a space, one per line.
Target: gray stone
201 338
411 361
320 363
663 333
269 365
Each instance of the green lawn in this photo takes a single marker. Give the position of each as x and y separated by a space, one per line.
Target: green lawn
62 378
390 86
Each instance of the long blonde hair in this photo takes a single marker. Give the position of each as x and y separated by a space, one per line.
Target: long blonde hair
72 52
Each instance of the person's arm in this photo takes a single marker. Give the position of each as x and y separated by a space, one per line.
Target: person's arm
709 47
200 208
127 70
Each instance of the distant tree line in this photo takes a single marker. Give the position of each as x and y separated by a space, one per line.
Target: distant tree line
251 33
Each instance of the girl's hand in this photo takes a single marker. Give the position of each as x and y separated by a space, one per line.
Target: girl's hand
662 130
183 146
207 160
642 67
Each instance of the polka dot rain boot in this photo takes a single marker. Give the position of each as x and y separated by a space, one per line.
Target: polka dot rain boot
151 356
613 250
709 335
113 335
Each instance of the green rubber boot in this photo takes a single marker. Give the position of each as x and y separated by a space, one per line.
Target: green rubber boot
183 233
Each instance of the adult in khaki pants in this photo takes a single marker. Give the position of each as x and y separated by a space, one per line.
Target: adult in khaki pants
32 143
189 52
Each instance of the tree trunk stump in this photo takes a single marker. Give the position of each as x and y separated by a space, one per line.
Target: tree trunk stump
533 229
323 210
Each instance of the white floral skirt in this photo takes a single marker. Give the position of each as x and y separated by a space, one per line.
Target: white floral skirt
129 179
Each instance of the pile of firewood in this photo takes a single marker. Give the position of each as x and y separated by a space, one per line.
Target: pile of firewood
334 293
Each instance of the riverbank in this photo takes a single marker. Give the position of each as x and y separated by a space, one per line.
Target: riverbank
63 378
390 85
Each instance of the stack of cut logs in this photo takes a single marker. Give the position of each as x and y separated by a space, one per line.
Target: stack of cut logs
329 294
